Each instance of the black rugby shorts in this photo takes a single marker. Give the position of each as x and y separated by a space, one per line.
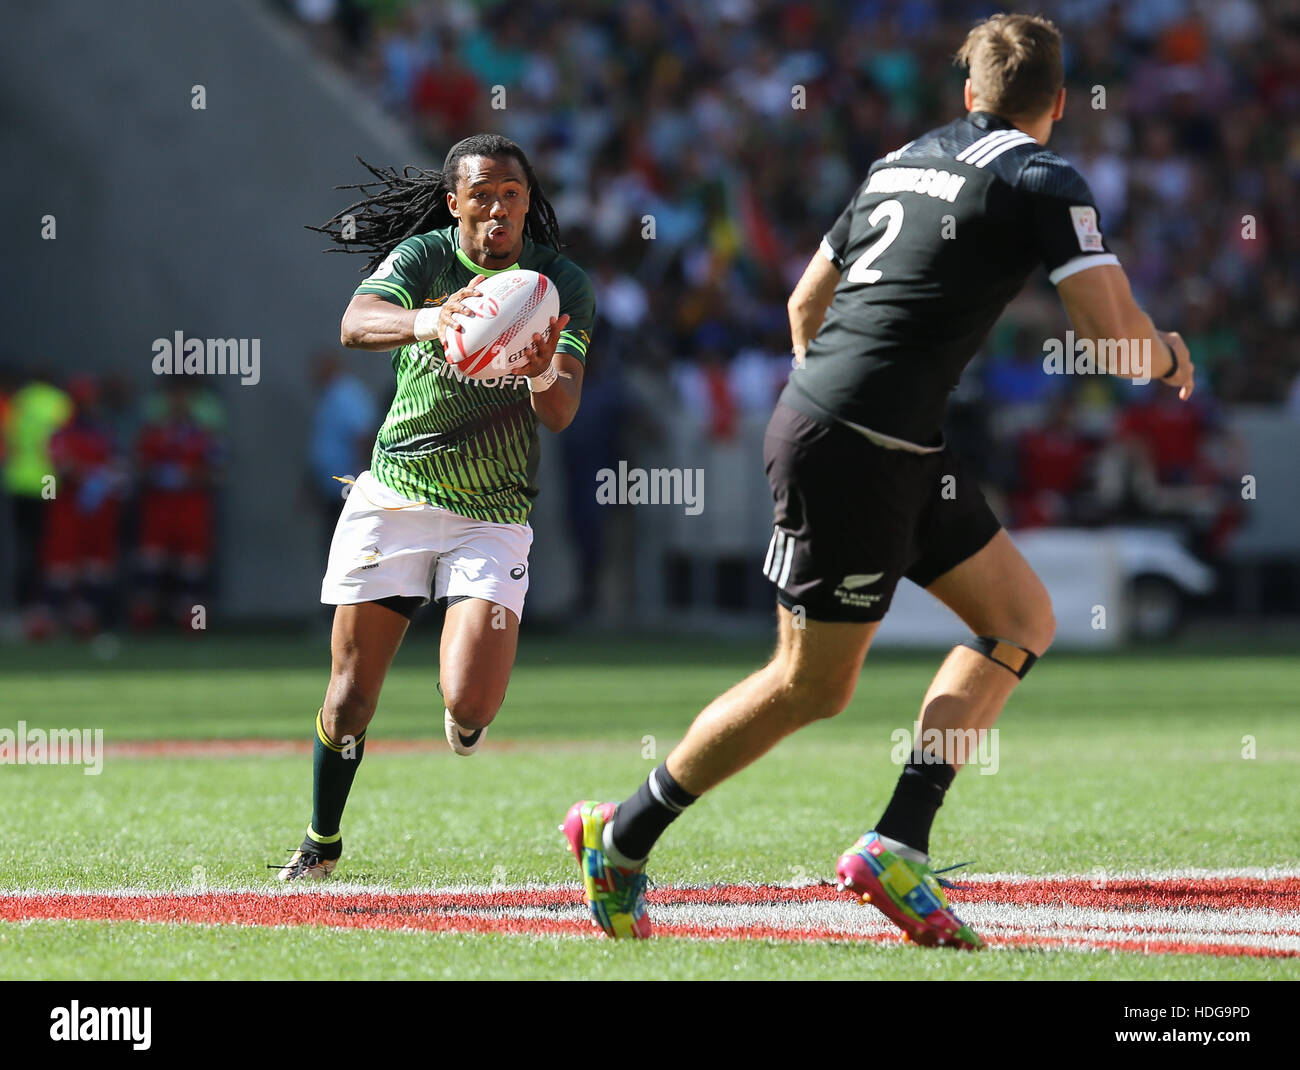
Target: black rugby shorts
852 518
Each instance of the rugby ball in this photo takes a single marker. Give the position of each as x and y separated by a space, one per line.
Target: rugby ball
511 308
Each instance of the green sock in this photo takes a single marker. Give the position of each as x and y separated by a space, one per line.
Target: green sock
333 767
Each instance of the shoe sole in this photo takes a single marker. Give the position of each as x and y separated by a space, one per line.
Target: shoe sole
859 881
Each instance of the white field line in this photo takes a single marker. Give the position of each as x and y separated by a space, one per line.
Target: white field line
1254 928
1005 924
1095 880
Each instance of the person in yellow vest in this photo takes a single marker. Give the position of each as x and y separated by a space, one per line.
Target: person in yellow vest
35 412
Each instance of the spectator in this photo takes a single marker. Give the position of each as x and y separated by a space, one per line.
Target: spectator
177 453
1176 451
81 539
342 435
445 99
35 412
1054 458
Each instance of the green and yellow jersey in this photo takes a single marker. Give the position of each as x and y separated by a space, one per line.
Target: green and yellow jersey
466 445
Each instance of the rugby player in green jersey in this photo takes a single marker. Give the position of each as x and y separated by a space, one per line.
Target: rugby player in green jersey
442 512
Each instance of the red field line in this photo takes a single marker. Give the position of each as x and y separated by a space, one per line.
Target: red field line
456 912
490 911
274 748
270 911
255 748
1182 893
365 911
1191 893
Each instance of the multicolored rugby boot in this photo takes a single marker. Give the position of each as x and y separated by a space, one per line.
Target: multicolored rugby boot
615 895
907 893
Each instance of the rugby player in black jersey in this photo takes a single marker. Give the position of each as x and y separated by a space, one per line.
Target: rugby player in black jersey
933 245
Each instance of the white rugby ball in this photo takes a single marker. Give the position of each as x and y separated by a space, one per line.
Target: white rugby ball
511 308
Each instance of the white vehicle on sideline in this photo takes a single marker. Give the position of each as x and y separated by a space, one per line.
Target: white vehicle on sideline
1162 574
1107 585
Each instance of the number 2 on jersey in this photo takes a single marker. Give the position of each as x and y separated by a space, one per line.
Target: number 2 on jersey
862 271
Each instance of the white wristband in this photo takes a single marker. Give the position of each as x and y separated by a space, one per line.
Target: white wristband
426 324
538 383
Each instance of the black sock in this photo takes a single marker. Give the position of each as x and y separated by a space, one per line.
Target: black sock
641 820
916 800
333 767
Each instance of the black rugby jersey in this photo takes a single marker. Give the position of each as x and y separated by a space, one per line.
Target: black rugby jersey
932 247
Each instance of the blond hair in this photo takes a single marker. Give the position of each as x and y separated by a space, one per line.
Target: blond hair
1015 64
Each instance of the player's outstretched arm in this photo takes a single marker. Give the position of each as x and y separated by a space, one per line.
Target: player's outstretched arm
808 304
374 322
371 322
1100 304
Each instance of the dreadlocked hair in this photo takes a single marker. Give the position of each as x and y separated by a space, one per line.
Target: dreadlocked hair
414 201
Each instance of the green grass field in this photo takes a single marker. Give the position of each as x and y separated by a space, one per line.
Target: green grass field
1131 762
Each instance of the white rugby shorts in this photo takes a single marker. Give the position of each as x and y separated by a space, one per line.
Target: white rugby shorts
386 545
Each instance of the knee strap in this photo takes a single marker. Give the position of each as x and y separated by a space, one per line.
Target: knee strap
1009 655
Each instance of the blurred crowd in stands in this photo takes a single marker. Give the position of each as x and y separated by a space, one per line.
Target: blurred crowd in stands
109 500
695 153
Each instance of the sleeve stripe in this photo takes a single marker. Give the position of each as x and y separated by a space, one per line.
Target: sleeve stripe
829 253
1081 263
387 287
572 341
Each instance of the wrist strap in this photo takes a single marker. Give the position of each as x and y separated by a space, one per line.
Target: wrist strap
1172 356
426 324
539 383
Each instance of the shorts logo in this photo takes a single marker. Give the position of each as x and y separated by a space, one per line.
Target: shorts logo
852 583
517 573
369 558
848 590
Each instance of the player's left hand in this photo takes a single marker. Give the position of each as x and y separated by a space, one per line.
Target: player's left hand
538 356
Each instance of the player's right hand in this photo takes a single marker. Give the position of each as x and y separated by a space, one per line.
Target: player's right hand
454 304
1182 379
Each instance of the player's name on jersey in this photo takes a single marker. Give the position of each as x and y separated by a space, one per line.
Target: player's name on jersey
931 181
1129 357
179 355
432 355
